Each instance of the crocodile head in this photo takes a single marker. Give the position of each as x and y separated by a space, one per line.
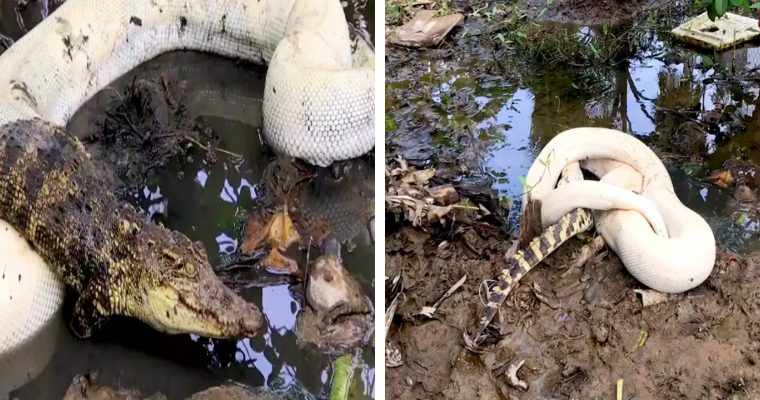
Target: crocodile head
182 294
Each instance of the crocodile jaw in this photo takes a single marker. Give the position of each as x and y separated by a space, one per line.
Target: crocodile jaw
229 318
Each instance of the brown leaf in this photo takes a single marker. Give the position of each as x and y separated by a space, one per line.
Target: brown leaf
255 233
721 178
419 178
424 29
279 262
281 232
437 213
444 194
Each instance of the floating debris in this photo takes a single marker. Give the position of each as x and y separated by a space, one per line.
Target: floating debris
278 231
724 32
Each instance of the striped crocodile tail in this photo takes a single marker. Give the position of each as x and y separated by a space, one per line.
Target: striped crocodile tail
525 259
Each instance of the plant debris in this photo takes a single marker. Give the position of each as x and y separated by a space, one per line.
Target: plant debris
279 232
278 262
722 178
425 29
393 357
428 311
409 191
650 297
512 376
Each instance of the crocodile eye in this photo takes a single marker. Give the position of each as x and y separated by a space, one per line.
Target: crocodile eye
189 270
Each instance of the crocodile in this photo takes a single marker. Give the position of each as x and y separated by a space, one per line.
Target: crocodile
519 264
113 258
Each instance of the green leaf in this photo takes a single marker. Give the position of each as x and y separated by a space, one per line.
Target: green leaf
342 376
692 169
742 217
594 50
711 13
755 6
721 6
390 124
745 5
708 62
735 3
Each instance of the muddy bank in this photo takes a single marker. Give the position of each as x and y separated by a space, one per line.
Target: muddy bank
85 387
578 330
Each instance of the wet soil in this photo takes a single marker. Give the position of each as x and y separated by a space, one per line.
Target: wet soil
585 12
579 330
577 345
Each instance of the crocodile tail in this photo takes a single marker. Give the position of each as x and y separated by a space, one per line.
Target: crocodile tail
525 259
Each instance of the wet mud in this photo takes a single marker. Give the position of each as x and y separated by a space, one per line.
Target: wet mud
578 330
575 330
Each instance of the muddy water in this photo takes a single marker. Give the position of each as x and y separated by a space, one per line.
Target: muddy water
508 123
205 201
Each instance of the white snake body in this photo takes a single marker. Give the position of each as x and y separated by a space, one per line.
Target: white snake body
674 263
318 100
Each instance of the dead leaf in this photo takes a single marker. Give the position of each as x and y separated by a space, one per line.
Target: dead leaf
281 263
721 178
444 195
255 233
437 213
424 29
546 297
281 232
393 356
512 376
419 178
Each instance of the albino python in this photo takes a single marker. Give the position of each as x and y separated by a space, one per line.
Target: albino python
318 102
662 243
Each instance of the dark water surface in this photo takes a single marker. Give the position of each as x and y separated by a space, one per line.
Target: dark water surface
205 201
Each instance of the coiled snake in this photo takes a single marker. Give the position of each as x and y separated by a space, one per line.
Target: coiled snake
671 250
318 98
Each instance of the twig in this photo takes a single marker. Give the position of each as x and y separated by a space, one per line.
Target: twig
206 148
306 268
428 311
